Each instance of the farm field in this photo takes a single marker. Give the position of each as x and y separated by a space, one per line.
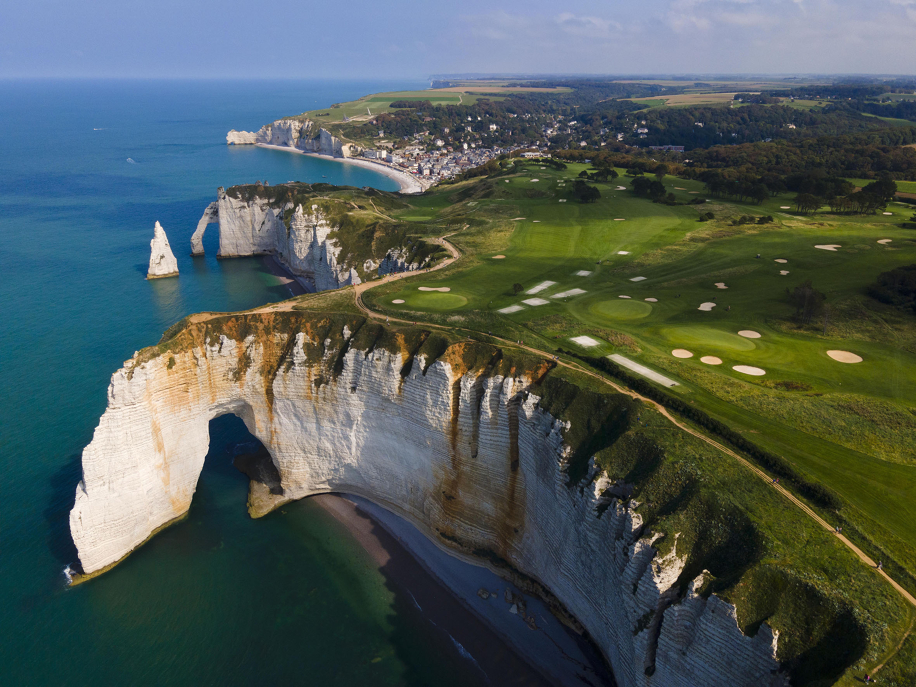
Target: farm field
381 102
685 99
632 278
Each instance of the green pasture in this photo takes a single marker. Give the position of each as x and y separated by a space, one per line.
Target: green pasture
902 186
379 103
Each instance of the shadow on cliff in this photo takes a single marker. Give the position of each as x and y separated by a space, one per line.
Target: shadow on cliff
57 511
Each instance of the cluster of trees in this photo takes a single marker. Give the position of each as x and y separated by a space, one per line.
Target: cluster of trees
706 126
585 193
750 219
415 104
601 174
841 198
744 189
897 287
757 98
807 300
646 187
862 155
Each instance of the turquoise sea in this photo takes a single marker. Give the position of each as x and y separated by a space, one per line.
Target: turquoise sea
86 169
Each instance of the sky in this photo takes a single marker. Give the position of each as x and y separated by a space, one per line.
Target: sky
413 39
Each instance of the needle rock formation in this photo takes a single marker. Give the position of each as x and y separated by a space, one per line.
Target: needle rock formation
162 262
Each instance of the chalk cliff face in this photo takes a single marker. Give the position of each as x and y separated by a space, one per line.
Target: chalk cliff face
299 235
162 262
451 436
294 133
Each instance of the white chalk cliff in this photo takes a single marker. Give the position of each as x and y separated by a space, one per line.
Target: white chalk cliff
464 450
162 262
295 133
299 236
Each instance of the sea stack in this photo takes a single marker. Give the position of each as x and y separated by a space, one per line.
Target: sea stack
162 262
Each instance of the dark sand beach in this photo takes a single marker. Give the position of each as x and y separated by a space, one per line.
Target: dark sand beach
506 649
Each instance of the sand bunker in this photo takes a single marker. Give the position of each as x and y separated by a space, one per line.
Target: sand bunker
785 207
499 257
845 357
783 272
678 188
706 306
781 261
516 219
536 221
651 300
721 285
711 360
748 370
533 180
623 252
621 188
619 219
443 289
681 353
562 200
535 301
398 301
540 287
624 296
510 309
638 279
642 370
583 273
584 341
567 294
887 213
829 246
749 334
884 242
694 192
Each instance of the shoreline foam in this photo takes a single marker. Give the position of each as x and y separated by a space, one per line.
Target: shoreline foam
407 182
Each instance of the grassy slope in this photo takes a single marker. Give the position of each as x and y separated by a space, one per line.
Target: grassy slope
850 426
378 103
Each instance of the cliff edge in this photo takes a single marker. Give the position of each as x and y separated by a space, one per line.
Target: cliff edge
493 455
328 236
300 134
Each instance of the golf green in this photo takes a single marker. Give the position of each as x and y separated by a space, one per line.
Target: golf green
435 301
622 309
707 338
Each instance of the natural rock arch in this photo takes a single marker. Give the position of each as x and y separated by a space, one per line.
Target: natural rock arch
210 216
450 438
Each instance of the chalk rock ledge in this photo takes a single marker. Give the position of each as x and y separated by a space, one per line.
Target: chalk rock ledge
162 262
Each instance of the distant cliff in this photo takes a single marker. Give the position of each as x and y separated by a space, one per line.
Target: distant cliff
328 236
476 448
303 135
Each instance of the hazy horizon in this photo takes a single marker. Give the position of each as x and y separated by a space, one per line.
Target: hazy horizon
281 39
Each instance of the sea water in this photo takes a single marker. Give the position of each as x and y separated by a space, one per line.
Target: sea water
86 169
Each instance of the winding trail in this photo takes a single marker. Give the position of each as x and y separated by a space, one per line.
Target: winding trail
360 289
